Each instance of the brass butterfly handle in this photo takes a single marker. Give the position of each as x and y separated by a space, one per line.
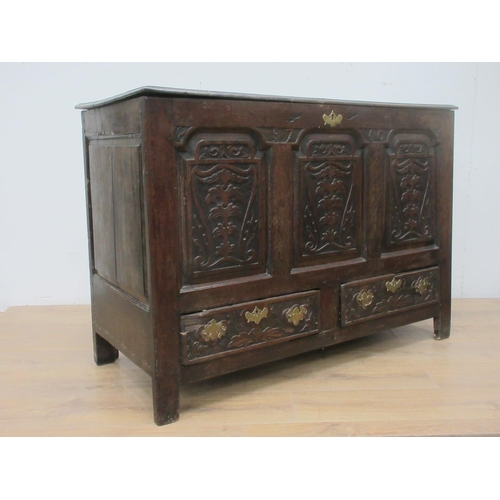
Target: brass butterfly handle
422 285
394 285
365 298
332 119
296 314
257 315
213 330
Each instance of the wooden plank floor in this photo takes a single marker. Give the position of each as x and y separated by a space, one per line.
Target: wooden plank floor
400 382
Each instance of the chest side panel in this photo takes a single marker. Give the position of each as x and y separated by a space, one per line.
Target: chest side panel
115 172
118 246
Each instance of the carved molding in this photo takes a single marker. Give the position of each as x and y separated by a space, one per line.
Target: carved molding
375 134
225 151
275 135
180 133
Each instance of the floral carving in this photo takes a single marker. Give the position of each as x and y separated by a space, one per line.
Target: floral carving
329 212
256 336
375 134
385 300
223 187
328 184
410 200
224 222
280 135
239 333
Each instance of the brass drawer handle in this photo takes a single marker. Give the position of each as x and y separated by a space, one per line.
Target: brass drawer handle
213 330
394 285
365 298
422 285
296 314
257 315
332 119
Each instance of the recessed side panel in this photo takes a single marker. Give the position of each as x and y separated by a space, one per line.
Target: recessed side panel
410 202
117 213
101 198
328 190
224 184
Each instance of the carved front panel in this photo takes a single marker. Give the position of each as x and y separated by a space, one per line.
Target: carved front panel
219 332
383 295
410 197
328 199
224 214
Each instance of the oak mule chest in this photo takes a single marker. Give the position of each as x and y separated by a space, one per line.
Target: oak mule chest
230 230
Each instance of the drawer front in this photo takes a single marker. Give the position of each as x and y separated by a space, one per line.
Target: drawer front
375 297
219 332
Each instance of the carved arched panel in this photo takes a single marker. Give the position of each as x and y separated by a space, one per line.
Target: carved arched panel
410 204
327 215
223 178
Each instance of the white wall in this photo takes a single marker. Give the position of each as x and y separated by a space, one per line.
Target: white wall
43 249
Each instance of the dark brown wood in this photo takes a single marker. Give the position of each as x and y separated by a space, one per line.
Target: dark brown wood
227 330
215 367
383 295
410 193
117 223
328 211
224 182
444 208
194 299
280 203
374 192
120 310
104 352
123 321
162 208
227 231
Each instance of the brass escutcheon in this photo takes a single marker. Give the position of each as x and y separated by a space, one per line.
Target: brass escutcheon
365 298
296 314
394 285
422 285
213 330
257 315
332 119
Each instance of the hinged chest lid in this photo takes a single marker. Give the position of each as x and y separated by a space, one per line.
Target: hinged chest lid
208 94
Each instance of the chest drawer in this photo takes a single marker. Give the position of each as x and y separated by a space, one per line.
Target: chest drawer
375 297
219 332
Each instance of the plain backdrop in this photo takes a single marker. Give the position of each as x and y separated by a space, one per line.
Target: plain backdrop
43 247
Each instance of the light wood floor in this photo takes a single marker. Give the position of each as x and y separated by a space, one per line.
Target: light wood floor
400 382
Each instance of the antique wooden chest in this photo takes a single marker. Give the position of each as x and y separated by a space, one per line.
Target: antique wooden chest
228 230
